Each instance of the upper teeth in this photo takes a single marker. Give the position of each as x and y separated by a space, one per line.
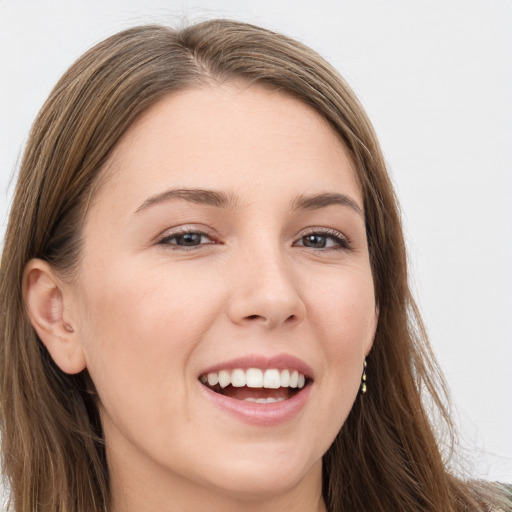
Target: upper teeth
255 378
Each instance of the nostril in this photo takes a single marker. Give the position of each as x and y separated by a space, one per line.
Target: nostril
291 319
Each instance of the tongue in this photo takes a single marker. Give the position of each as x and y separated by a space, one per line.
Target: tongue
245 392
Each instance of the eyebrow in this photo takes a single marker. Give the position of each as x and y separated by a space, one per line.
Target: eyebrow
223 200
197 196
317 201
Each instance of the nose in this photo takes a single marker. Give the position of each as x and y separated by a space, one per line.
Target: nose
265 291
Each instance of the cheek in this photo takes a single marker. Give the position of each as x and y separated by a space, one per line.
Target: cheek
343 308
140 330
140 301
345 318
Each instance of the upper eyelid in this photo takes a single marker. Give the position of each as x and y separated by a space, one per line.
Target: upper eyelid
326 231
207 231
183 230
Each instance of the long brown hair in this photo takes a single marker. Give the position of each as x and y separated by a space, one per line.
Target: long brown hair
386 456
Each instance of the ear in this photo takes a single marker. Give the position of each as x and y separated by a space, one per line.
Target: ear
375 323
45 300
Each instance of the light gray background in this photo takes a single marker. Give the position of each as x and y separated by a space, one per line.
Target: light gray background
436 79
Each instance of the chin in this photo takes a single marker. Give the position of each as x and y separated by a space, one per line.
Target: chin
262 472
263 481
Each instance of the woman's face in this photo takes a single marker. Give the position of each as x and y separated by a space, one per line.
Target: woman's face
226 242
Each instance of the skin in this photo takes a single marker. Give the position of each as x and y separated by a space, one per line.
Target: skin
146 315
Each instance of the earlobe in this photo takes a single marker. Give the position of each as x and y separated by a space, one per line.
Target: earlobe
45 301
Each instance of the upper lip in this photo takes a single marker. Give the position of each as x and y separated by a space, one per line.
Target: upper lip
278 361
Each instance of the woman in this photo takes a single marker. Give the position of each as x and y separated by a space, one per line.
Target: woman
204 292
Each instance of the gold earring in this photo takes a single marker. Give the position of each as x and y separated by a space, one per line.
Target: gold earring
363 378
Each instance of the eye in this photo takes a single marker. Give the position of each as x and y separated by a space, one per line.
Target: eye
186 239
330 239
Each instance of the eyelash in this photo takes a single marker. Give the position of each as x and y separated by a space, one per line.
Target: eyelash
342 243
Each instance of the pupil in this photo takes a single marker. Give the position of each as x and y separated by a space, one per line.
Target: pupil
316 241
190 239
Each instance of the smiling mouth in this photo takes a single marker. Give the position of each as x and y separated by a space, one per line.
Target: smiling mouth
256 385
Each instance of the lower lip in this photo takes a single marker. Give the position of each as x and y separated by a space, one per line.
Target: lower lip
264 415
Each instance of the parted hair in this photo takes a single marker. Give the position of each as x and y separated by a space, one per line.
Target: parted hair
387 456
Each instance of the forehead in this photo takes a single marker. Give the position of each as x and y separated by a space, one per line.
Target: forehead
234 137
